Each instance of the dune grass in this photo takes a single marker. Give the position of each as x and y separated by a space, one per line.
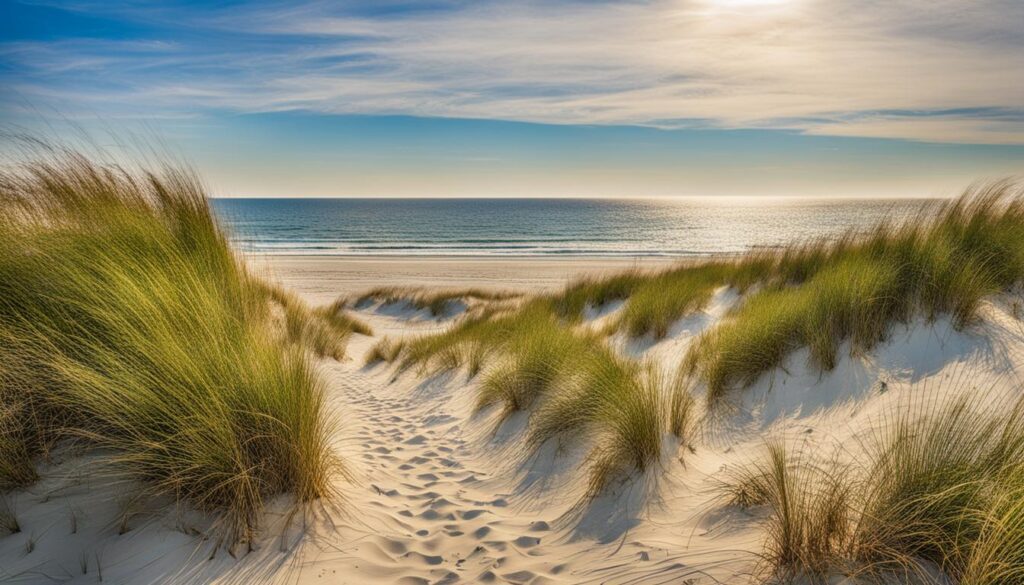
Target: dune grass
808 505
323 330
997 555
822 294
8 520
534 355
937 486
126 323
385 350
596 292
854 299
616 408
438 302
652 301
337 315
683 417
935 482
663 299
574 388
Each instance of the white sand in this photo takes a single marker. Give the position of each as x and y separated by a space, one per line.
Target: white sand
324 278
436 498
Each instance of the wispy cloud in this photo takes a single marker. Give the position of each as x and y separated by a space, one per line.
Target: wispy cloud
928 70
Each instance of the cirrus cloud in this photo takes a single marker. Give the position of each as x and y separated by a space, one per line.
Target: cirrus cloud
934 71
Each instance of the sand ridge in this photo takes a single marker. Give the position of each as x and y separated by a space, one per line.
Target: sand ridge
435 494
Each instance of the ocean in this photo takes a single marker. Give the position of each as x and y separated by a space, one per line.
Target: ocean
546 227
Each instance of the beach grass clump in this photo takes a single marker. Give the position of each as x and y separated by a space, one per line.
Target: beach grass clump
573 386
996 557
653 301
937 487
21 418
614 406
8 519
807 507
438 302
854 289
128 324
338 317
536 355
477 336
595 292
854 299
683 417
323 330
663 299
386 350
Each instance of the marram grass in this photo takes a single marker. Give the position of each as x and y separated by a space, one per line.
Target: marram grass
127 323
854 289
934 495
438 302
323 330
652 301
573 387
936 491
807 507
822 293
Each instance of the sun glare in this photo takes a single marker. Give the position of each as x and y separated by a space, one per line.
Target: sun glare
747 3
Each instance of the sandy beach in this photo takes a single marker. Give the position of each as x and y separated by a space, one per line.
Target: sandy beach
699 292
422 420
322 279
436 493
445 494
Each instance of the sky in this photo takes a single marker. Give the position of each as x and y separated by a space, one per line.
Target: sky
560 98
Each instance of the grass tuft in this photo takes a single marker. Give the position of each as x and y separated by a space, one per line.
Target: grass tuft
385 350
438 302
653 301
935 482
937 486
8 521
127 323
821 294
325 331
807 508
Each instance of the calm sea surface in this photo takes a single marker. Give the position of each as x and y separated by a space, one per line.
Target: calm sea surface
542 227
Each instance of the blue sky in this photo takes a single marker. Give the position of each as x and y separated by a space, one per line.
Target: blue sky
556 98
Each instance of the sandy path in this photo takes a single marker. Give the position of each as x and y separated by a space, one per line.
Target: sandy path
435 517
435 497
432 500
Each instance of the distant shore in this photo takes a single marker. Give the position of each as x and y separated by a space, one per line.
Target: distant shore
322 279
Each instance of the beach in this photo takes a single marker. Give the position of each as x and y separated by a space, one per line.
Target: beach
494 418
446 495
323 279
436 491
709 292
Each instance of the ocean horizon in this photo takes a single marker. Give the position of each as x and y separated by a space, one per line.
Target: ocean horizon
547 227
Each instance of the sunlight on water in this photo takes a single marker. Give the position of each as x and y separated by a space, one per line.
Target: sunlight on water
506 227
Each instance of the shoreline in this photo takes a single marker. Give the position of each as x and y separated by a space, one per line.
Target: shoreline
321 279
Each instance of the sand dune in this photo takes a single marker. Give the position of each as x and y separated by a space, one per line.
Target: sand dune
436 494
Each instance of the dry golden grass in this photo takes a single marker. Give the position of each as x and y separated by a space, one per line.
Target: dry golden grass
438 302
820 295
937 487
127 323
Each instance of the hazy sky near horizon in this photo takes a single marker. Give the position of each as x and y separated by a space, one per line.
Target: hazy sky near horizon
556 98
